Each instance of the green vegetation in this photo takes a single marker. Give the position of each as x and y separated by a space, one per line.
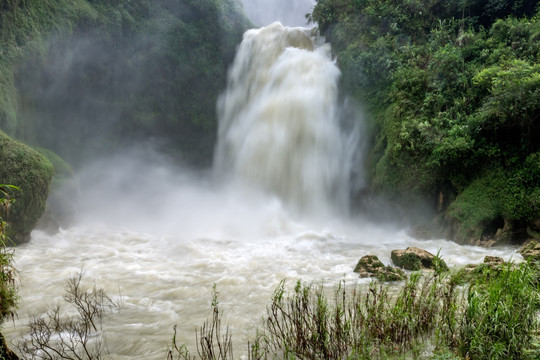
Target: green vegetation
437 316
501 317
490 312
8 288
82 77
8 274
453 90
32 173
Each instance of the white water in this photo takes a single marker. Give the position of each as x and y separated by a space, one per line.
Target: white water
279 129
159 239
288 12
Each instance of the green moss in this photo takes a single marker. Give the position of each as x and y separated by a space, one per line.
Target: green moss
62 169
32 173
408 261
389 273
498 195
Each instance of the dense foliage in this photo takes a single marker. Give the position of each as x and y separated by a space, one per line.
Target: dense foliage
453 88
80 77
8 288
32 173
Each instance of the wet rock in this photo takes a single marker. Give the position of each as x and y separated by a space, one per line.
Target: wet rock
414 258
531 250
371 266
469 268
493 261
491 265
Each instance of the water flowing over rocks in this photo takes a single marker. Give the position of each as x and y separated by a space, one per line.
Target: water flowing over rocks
414 258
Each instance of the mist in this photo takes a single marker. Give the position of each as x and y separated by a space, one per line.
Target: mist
154 73
288 12
143 190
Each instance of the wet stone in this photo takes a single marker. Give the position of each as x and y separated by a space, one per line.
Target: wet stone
371 266
414 258
531 250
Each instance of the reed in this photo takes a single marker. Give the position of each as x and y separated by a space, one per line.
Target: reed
492 314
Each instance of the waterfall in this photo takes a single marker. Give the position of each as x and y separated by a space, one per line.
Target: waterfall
279 120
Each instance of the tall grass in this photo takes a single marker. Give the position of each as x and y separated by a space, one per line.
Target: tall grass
501 316
435 315
355 324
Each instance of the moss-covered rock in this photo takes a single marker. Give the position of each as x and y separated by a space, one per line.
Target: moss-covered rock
531 250
32 173
371 266
491 266
414 258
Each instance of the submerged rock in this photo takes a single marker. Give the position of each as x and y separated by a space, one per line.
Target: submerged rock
414 258
371 266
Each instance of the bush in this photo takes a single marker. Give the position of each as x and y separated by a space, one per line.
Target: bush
500 319
55 335
8 274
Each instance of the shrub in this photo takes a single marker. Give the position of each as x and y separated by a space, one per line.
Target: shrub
501 314
8 274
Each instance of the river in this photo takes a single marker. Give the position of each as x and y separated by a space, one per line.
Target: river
157 238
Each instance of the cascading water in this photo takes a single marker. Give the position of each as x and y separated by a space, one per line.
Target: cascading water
278 120
158 239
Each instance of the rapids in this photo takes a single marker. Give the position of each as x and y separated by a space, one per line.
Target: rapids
166 279
157 239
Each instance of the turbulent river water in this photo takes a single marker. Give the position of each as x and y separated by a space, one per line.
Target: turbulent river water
273 208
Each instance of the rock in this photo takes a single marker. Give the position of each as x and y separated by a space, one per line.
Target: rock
469 268
371 266
493 261
414 258
491 264
531 250
32 173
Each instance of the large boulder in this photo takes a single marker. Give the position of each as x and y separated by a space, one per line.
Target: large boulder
414 258
371 266
32 173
